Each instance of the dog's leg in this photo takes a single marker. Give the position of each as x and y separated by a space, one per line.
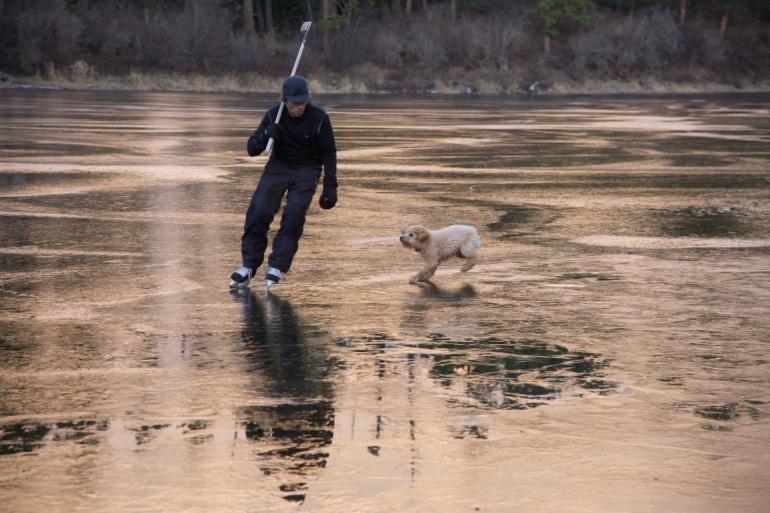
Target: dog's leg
424 274
471 261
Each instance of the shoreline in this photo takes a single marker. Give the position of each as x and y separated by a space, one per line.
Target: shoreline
256 84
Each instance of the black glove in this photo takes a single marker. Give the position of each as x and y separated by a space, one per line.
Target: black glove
328 198
273 131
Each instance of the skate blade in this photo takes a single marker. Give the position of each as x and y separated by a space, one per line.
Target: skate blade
234 285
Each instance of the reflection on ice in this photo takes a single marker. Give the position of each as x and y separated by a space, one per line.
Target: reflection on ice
495 373
277 348
32 436
290 440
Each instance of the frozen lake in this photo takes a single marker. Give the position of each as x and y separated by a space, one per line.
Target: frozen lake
610 352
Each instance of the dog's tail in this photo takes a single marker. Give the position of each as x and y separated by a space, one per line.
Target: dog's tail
471 245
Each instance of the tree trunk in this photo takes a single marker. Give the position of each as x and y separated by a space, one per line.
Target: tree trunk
723 26
261 29
248 21
425 6
408 7
453 8
547 43
395 5
326 11
269 19
682 12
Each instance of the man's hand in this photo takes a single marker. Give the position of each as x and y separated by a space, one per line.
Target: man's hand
328 198
273 131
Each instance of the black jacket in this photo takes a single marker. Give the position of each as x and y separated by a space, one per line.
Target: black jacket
307 141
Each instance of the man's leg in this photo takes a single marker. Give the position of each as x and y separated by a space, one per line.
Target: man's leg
300 195
264 204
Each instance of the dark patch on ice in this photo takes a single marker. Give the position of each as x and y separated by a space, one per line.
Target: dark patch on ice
194 425
497 373
22 437
673 381
472 431
19 437
147 433
729 411
724 412
702 222
588 276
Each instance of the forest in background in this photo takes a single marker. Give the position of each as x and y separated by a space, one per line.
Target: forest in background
487 46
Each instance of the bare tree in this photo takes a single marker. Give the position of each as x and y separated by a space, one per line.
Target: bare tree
261 28
723 25
248 21
326 13
682 12
269 25
731 10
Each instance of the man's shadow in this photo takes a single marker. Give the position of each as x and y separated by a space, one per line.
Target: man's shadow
289 434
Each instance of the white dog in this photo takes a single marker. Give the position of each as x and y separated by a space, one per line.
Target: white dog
436 246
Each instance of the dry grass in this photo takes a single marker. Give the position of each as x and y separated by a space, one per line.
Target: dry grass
655 87
362 80
241 82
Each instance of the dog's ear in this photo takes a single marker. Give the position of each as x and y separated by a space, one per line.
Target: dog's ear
421 233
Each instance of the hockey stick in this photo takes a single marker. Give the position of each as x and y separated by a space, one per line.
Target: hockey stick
306 29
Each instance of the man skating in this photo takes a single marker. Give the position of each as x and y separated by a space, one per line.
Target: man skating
303 144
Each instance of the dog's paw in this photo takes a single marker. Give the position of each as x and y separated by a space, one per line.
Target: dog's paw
413 280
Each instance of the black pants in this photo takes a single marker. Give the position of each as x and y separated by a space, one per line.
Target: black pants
276 181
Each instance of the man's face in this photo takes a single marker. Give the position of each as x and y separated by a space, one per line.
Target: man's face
296 109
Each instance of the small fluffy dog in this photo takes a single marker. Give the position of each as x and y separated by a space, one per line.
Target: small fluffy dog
436 246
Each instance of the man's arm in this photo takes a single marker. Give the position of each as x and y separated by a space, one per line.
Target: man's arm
329 159
258 140
328 152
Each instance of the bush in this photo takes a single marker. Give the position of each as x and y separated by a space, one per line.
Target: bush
628 46
422 47
748 51
47 33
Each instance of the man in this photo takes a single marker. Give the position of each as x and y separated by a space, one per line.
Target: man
303 142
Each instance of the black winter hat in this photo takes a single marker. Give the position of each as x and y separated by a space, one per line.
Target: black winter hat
295 89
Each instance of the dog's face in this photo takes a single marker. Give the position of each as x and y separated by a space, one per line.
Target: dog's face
414 237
